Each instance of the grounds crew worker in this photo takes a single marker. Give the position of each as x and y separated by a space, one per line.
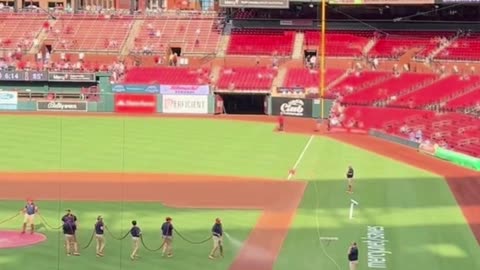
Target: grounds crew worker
167 235
353 256
217 236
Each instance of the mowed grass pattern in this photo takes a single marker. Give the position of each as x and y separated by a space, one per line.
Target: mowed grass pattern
194 224
423 224
146 145
424 227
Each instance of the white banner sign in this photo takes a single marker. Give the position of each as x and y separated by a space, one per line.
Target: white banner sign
185 104
8 98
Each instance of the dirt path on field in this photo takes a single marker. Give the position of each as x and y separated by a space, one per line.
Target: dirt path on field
278 200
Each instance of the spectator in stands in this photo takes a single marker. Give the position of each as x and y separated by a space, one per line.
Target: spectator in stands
411 136
313 62
275 62
418 136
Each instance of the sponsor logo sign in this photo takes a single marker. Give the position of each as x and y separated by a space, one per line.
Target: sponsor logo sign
184 89
255 3
62 106
299 107
196 104
8 100
71 77
135 103
6 75
135 88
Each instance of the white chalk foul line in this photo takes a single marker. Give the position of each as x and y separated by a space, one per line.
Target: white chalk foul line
290 174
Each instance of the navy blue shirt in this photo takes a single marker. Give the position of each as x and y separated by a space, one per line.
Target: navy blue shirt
350 173
69 224
30 209
167 229
353 254
217 230
99 227
69 218
135 231
69 228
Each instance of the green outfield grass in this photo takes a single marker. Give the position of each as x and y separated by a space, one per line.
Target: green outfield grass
146 145
193 224
422 223
424 227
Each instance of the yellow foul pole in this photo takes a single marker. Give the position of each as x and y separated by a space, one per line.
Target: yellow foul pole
322 70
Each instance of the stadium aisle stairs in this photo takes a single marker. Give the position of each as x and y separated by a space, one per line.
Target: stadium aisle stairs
437 51
408 91
279 80
337 81
129 44
298 46
369 46
42 35
215 73
222 47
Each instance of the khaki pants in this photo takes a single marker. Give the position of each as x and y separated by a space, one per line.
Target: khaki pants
135 246
71 241
100 239
217 242
353 265
28 219
168 245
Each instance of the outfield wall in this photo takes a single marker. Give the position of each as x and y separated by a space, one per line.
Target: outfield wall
433 150
122 103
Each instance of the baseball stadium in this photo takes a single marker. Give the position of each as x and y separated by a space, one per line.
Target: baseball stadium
239 135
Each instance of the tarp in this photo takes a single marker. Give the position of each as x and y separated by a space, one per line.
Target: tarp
458 158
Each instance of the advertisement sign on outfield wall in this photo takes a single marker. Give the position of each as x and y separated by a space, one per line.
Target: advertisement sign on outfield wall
61 106
298 107
8 100
71 77
136 88
184 89
185 104
135 103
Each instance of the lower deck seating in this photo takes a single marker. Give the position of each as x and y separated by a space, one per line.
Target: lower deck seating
451 130
244 78
168 75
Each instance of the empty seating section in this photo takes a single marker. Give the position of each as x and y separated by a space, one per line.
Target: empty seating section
396 44
464 48
388 88
465 101
374 117
192 35
436 92
339 43
307 78
261 42
19 31
243 78
453 130
357 81
90 33
168 76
